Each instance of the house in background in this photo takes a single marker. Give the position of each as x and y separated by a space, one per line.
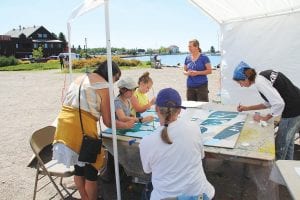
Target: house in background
21 42
173 49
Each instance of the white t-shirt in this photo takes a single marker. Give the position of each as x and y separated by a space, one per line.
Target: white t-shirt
176 168
276 103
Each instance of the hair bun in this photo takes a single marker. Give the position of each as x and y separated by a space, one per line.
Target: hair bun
145 74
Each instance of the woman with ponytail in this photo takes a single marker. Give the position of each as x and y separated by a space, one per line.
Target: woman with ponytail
174 153
196 67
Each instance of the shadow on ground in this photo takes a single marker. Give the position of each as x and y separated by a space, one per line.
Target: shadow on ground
231 181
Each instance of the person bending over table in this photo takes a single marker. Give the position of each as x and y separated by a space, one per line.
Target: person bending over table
174 153
281 96
94 103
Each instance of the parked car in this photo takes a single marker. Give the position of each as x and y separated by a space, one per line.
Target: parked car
52 58
74 56
32 60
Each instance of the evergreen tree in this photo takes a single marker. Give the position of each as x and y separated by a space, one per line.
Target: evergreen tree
212 49
54 35
61 37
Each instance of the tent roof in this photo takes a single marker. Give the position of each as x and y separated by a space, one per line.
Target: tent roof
224 11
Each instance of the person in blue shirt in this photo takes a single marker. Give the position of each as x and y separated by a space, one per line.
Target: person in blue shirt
196 67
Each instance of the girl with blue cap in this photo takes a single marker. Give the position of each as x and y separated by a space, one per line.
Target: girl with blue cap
174 153
281 96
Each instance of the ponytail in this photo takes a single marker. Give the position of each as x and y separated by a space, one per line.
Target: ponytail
250 74
167 113
164 133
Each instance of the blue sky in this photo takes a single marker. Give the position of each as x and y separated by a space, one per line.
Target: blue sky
133 23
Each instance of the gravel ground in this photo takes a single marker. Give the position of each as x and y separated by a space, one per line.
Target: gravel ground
31 100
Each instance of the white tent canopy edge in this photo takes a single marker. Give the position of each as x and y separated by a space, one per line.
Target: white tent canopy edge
262 33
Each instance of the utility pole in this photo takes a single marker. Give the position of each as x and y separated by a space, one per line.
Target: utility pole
85 40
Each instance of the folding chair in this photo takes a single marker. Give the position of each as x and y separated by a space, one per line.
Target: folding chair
39 142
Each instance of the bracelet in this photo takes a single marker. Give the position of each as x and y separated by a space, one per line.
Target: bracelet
141 119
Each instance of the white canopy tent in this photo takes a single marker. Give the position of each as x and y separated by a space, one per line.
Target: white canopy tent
263 33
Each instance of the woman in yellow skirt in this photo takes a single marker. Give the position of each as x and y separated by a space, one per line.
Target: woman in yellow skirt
94 103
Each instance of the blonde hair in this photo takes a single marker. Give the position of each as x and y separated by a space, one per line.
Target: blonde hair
167 113
145 78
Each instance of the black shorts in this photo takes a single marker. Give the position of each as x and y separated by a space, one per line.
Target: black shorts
88 171
198 93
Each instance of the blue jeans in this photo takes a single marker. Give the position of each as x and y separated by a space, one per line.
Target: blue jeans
183 197
284 142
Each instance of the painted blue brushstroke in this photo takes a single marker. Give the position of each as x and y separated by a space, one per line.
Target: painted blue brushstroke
223 114
203 129
230 131
213 122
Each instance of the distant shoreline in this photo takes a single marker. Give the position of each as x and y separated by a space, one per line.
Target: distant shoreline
134 56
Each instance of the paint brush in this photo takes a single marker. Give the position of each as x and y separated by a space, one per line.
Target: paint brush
153 92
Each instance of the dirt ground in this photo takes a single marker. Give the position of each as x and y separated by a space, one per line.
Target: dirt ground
31 100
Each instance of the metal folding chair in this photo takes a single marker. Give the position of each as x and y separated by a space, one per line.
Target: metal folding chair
39 142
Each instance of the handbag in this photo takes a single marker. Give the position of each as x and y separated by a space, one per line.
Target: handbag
90 147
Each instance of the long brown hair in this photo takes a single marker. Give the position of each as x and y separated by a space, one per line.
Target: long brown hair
167 113
102 69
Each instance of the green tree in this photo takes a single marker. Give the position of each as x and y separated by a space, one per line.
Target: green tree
61 37
78 49
82 54
163 50
38 53
131 51
54 35
150 51
212 49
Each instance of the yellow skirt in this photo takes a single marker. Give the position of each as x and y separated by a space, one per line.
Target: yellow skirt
68 131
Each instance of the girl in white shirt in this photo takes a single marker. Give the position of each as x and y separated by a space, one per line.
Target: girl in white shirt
174 153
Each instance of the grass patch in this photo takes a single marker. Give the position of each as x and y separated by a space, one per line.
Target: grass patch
32 67
143 65
56 65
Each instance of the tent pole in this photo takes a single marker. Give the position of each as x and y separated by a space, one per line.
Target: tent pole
111 95
69 50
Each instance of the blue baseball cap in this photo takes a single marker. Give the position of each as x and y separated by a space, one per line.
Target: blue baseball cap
169 97
239 72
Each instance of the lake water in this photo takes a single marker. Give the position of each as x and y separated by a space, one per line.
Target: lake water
175 59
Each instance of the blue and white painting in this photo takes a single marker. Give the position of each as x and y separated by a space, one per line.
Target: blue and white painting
219 128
